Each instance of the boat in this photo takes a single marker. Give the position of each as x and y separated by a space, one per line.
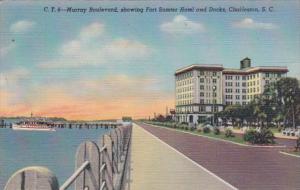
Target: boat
33 126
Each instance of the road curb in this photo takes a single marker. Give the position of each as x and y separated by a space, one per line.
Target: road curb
288 154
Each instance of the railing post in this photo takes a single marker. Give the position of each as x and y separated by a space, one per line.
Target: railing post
90 177
106 158
115 151
33 178
120 144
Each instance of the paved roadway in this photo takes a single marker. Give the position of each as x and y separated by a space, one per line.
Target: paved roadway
157 166
249 168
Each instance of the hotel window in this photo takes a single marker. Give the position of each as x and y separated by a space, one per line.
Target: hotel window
244 91
237 90
214 74
267 82
257 89
244 77
202 80
253 82
214 80
244 103
278 75
237 84
201 94
237 97
244 84
244 97
237 77
201 72
201 101
202 108
267 74
214 94
201 87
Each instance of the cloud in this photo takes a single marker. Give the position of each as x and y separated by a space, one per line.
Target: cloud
82 51
126 49
249 23
182 25
112 96
22 26
12 77
6 49
93 30
11 89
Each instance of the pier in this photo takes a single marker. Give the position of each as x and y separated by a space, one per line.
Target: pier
71 125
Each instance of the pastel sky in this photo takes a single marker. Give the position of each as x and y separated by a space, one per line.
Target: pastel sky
108 65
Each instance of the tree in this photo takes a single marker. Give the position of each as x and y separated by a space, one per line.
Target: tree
285 97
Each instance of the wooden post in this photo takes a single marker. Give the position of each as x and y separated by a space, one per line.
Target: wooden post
31 178
106 158
121 141
90 177
115 151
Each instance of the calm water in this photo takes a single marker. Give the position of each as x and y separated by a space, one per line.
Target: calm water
54 150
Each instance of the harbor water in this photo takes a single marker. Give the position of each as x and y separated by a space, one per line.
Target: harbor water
54 150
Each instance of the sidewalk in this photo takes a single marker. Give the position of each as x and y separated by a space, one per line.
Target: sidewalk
157 166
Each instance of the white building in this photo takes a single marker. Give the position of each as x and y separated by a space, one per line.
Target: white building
202 90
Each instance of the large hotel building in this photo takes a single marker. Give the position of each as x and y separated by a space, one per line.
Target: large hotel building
202 90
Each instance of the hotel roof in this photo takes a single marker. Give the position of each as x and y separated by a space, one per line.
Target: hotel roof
219 67
198 67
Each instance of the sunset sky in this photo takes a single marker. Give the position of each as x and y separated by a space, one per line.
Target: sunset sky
107 65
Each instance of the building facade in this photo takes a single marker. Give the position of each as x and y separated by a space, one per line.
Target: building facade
202 90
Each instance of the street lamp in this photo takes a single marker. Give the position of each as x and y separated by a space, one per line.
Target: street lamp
214 91
292 103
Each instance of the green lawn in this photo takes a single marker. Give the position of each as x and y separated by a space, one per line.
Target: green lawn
237 139
293 152
274 130
296 153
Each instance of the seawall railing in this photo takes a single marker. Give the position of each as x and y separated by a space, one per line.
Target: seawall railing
99 166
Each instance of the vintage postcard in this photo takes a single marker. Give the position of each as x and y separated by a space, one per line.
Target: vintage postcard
150 95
